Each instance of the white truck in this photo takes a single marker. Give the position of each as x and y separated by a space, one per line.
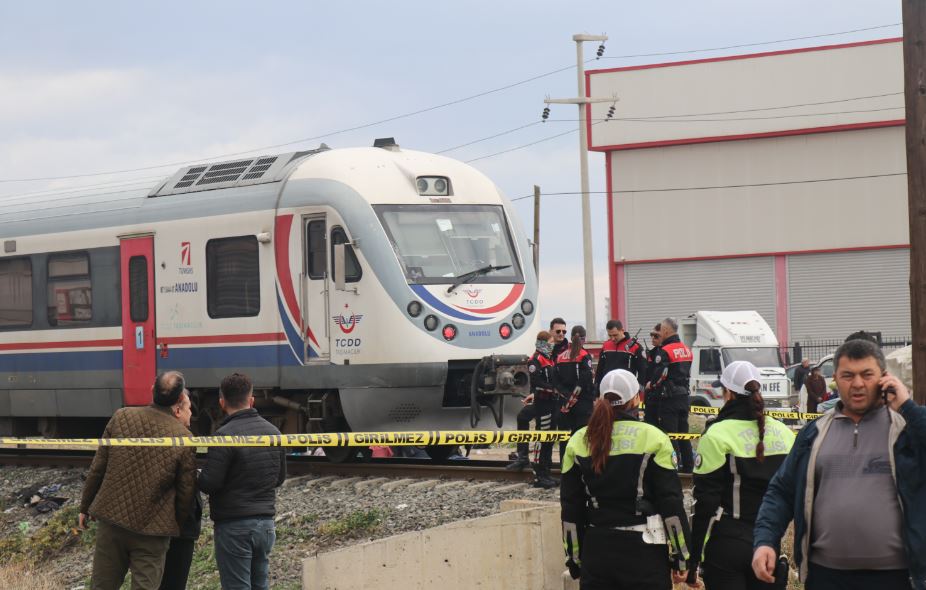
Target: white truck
717 338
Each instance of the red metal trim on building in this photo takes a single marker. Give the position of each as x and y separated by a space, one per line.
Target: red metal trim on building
717 138
782 320
616 301
764 134
747 55
759 254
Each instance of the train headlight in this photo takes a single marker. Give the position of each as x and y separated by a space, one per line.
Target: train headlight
517 320
504 331
414 309
449 332
431 323
527 306
433 186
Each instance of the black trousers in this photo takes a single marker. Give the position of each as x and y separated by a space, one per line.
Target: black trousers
728 560
824 578
544 411
673 417
651 411
620 560
177 564
573 420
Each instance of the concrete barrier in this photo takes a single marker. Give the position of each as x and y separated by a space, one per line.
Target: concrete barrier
516 549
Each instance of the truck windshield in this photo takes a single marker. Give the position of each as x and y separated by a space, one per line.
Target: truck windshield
760 357
437 243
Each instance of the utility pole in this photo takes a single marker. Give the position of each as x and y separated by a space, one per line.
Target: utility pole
537 231
914 48
582 101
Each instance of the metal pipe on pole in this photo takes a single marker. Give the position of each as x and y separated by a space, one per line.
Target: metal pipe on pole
537 231
582 100
914 53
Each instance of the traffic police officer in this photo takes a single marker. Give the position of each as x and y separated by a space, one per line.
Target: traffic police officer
620 351
668 380
621 499
738 454
540 406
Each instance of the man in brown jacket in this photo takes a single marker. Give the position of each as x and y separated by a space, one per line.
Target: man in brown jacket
816 390
140 494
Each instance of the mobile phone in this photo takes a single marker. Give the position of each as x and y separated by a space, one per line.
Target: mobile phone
886 390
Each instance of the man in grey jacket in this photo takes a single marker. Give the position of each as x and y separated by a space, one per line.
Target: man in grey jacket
241 483
852 483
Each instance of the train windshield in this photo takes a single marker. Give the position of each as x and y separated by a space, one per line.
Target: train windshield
437 243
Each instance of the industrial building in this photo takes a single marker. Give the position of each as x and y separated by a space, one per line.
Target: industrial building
773 181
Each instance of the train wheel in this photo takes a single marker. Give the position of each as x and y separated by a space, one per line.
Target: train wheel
440 453
342 454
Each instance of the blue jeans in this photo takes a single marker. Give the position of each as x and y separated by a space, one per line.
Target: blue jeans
242 552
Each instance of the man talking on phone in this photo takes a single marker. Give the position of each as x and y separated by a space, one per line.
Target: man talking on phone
855 485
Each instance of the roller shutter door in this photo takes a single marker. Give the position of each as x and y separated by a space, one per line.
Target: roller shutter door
678 289
833 295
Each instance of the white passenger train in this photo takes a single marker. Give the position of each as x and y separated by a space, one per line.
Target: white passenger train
359 288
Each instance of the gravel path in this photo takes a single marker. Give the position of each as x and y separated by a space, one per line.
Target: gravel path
313 514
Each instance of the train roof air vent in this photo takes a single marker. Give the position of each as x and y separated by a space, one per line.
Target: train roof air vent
202 177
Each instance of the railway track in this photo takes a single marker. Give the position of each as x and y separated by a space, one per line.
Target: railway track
303 465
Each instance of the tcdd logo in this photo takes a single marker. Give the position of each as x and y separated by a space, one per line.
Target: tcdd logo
472 293
185 253
347 324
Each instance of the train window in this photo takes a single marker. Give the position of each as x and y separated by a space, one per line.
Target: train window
138 289
352 271
70 298
316 261
232 277
15 293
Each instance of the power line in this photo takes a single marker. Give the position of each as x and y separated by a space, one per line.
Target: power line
462 145
78 189
304 139
716 187
759 44
429 109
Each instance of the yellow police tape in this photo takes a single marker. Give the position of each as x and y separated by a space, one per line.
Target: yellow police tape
337 439
780 414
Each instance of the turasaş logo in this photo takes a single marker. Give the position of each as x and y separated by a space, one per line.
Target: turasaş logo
347 323
185 254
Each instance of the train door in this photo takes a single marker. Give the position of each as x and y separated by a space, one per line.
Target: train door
138 337
315 288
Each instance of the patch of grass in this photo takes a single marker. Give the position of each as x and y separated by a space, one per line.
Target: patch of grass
355 523
56 535
204 574
23 577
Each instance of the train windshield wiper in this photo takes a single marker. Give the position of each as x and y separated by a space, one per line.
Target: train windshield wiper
457 281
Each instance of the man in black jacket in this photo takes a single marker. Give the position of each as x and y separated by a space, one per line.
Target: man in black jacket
241 483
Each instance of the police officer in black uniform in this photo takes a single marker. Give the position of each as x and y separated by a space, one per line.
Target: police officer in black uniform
558 331
540 406
668 380
651 413
575 383
620 351
624 521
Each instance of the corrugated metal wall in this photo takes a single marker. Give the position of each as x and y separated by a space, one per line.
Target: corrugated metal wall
657 290
833 295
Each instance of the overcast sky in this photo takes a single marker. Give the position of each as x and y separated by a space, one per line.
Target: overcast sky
99 86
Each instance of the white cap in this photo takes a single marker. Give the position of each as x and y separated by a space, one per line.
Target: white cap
736 375
621 382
